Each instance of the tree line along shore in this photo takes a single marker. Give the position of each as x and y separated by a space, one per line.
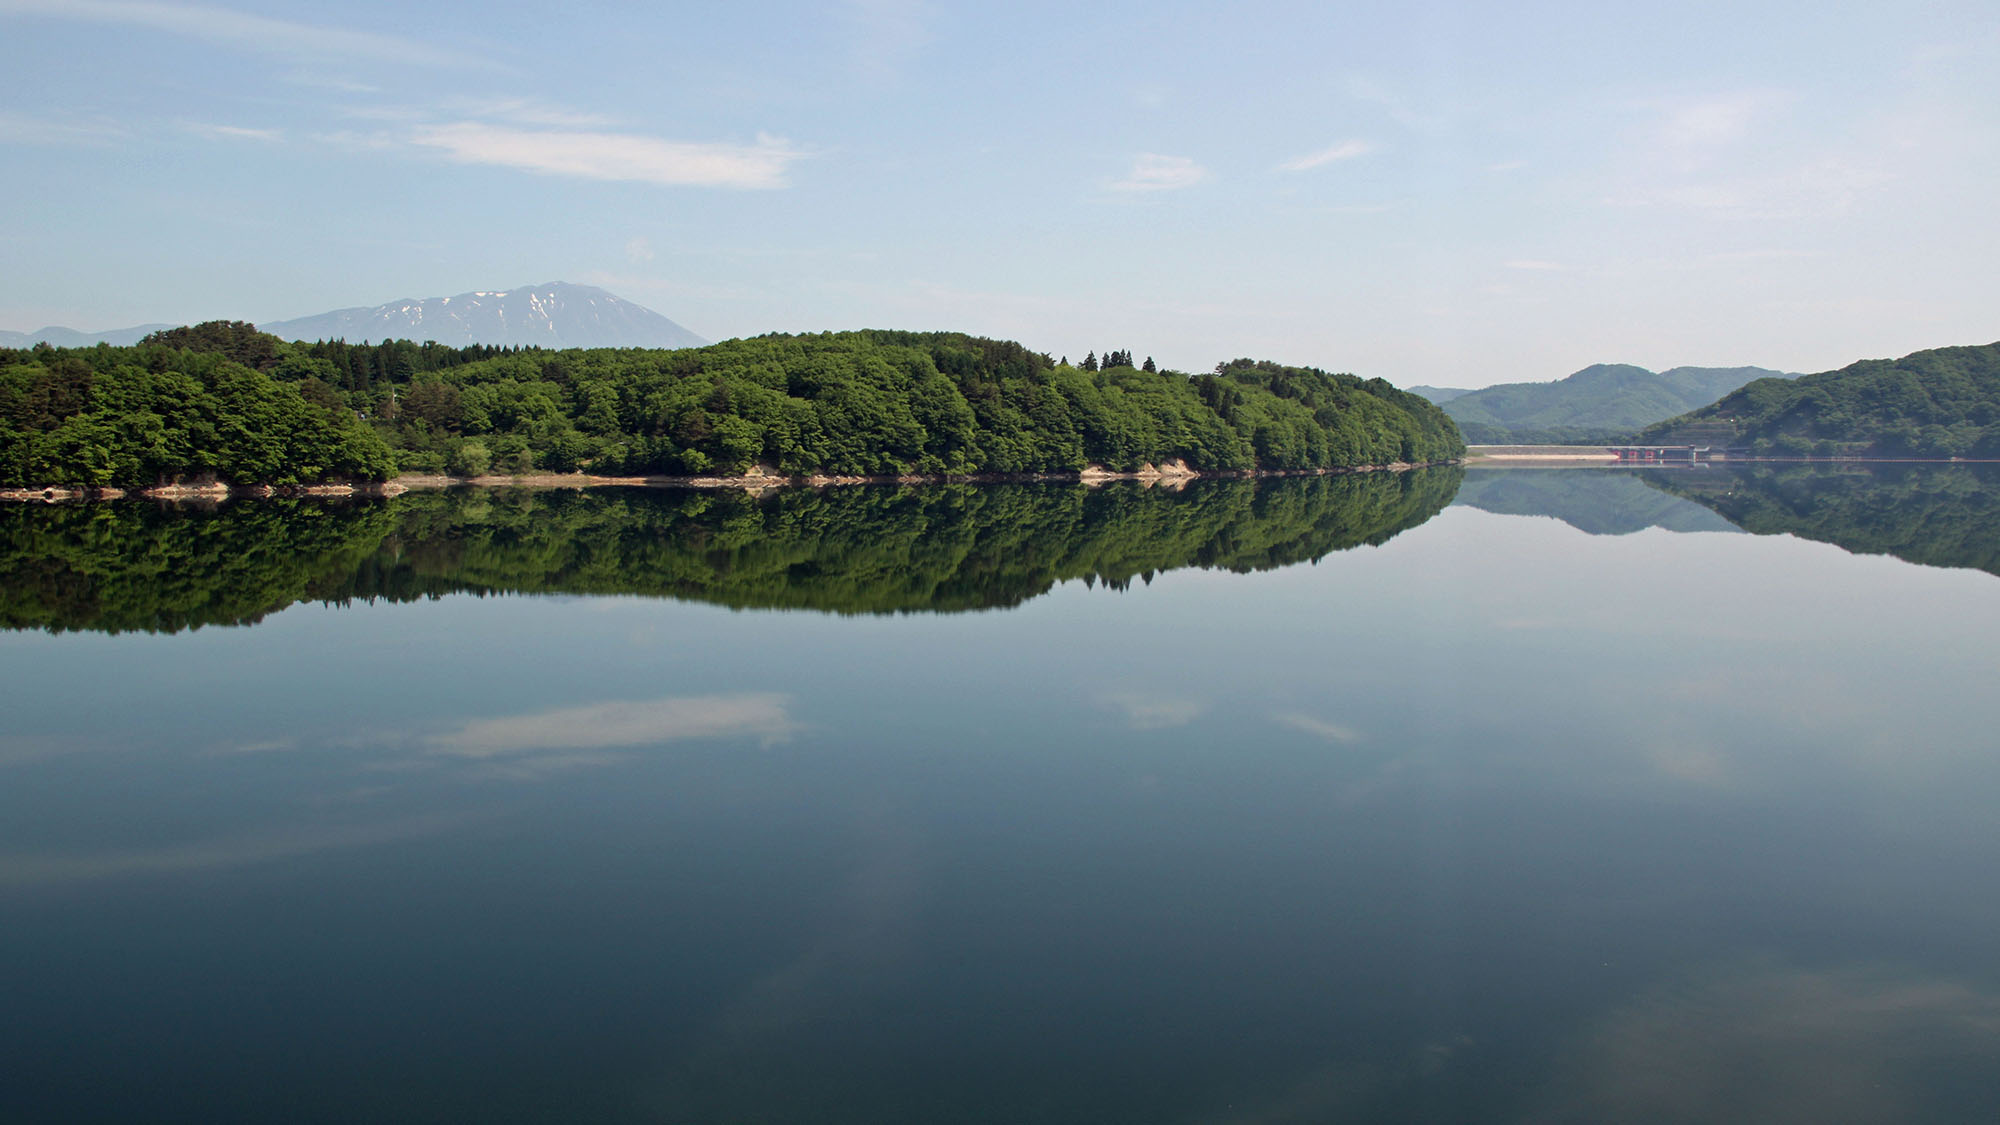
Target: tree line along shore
221 404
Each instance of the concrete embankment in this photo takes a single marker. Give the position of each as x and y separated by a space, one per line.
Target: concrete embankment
1552 454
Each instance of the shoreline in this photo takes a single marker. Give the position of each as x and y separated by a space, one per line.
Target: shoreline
1579 456
1174 475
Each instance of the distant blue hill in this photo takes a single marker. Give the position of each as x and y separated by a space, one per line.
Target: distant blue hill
1602 402
1439 395
71 338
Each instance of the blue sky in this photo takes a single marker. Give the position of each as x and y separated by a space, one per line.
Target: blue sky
1456 194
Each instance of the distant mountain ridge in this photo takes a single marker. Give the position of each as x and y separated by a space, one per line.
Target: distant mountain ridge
70 338
1439 395
553 315
1600 402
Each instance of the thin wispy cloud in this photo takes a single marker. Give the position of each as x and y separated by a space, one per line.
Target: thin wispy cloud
1345 150
22 129
1743 155
232 132
1723 119
1154 172
243 30
1537 265
348 140
1817 190
334 82
1398 108
525 111
614 156
887 34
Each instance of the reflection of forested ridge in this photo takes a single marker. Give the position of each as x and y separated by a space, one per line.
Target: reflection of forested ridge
1936 515
1594 501
140 566
856 550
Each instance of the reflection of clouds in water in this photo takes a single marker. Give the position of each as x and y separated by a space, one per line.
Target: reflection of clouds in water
1768 1043
17 749
850 951
261 746
206 855
525 747
600 726
1153 711
1320 728
1335 1092
1697 765
1350 1089
857 946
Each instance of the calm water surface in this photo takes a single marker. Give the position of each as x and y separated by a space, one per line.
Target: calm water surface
1573 801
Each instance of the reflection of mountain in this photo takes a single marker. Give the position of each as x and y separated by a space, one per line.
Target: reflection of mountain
942 548
1596 501
1935 515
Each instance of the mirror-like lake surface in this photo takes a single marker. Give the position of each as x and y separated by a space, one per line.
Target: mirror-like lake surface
1593 796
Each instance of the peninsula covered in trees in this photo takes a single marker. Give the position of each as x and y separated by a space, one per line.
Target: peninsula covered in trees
222 401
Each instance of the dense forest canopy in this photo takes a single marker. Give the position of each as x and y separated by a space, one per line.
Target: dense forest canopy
139 416
1931 404
225 401
139 565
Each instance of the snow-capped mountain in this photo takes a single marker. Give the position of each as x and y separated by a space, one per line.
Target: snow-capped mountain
556 315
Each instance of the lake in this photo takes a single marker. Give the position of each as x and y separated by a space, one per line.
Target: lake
1570 795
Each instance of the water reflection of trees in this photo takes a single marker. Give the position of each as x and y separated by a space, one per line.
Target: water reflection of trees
1934 515
943 548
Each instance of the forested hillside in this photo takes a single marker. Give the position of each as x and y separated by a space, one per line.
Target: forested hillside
1603 402
224 400
1940 403
139 416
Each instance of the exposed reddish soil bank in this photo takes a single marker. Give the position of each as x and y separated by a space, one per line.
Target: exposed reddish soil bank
1173 474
